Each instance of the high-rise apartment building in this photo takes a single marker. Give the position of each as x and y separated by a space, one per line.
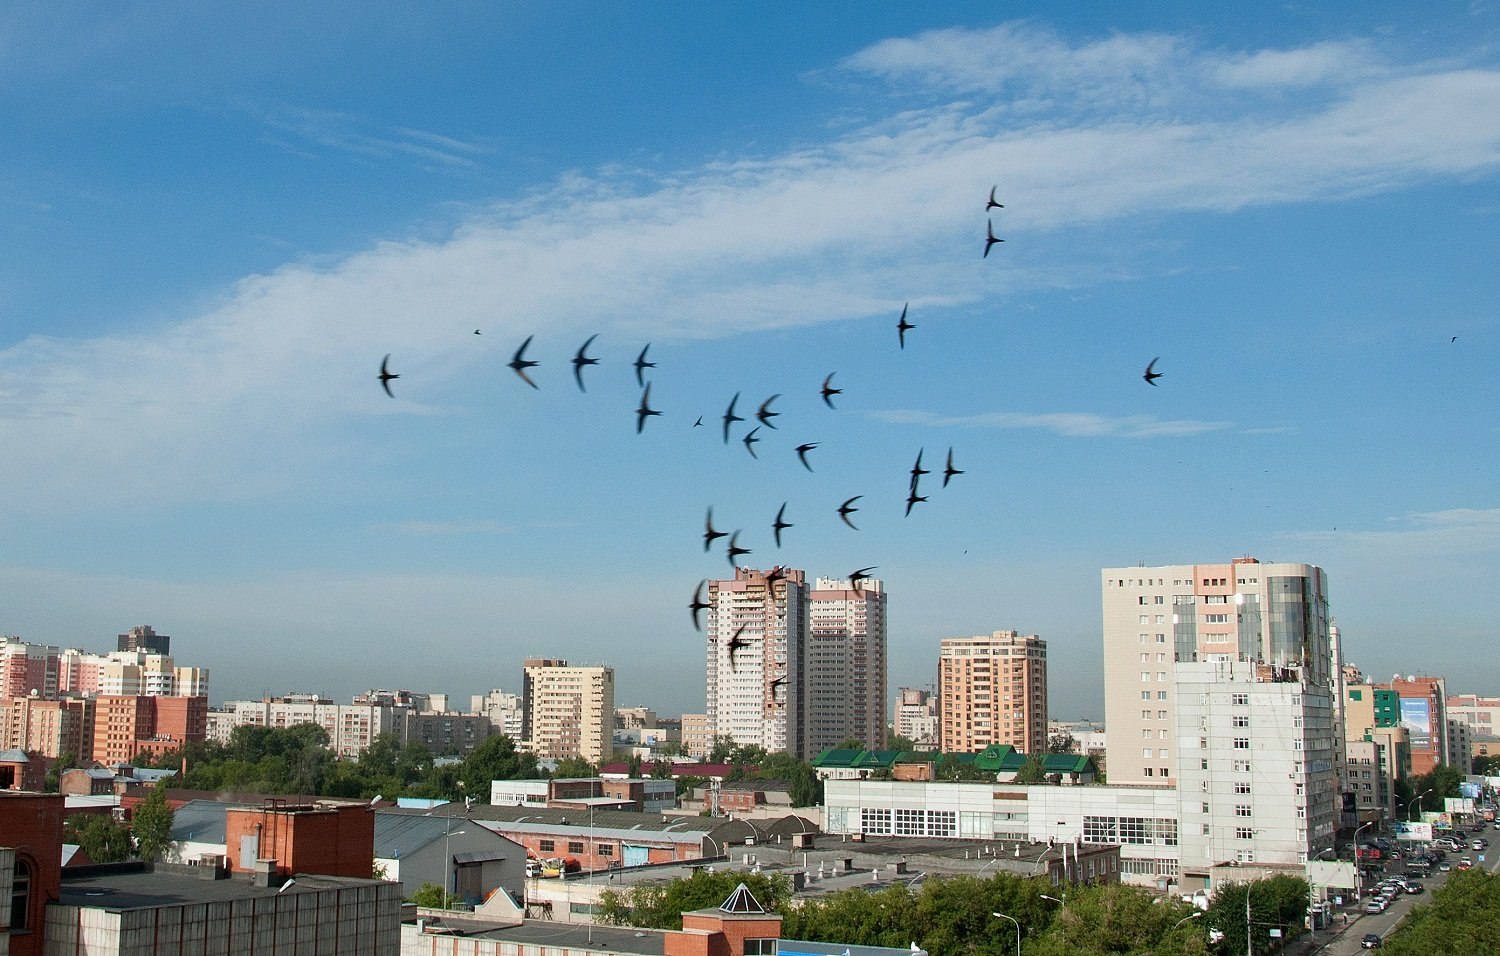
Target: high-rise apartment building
125 673
697 740
27 669
1377 750
51 728
1220 678
1482 714
126 725
844 670
350 727
993 690
145 640
1424 714
916 717
756 631
504 712
569 711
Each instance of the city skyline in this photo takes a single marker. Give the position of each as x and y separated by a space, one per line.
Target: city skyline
205 264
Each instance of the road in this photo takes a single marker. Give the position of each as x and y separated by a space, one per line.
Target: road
1340 940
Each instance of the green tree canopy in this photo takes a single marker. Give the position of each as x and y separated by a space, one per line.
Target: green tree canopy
152 825
99 836
1277 902
661 905
1031 771
1462 917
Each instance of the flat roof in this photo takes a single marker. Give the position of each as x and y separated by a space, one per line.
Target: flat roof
576 936
123 889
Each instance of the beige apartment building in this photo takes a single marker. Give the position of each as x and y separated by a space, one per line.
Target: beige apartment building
568 711
845 665
993 690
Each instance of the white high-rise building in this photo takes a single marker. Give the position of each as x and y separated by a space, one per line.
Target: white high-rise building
1220 678
756 632
504 711
845 666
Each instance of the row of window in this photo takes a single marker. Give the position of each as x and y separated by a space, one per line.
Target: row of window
1137 831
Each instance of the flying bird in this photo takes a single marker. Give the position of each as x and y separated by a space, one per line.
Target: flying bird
912 498
698 605
777 573
386 375
580 360
992 204
750 441
990 240
476 331
709 534
735 550
1151 374
778 682
521 364
829 391
730 417
856 578
645 410
802 451
641 365
765 414
917 471
902 325
735 643
847 508
778 525
699 422
948 470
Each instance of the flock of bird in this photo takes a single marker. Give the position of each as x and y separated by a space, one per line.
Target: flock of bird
764 414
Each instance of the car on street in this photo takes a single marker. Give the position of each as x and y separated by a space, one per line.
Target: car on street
1377 905
1414 888
1466 864
1445 866
1370 941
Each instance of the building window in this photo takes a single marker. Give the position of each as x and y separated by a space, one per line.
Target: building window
546 846
20 897
606 849
1145 695
1242 788
760 947
1244 833
1242 743
1161 695
1146 752
575 846
1148 771
1242 810
1241 721
1242 766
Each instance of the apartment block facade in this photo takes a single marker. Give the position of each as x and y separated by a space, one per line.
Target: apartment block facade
1424 714
570 711
845 665
1220 680
916 717
756 633
993 690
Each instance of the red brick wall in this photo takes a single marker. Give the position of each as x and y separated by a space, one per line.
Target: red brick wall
32 823
727 934
332 842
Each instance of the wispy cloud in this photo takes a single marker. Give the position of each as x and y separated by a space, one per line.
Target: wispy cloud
353 134
1070 424
443 528
242 399
1454 531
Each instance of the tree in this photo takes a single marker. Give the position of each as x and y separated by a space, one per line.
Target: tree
661 905
431 896
894 741
99 836
1279 902
575 767
1061 743
152 825
1462 917
496 758
1031 771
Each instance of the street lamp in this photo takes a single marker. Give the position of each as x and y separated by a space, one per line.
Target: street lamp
1415 802
1359 889
1059 902
1186 919
1018 930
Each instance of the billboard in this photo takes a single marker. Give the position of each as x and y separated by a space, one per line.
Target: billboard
1470 789
1458 804
1416 717
1413 831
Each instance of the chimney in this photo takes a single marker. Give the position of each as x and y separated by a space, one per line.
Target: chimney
262 876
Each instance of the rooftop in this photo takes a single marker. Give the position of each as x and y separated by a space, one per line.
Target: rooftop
119 887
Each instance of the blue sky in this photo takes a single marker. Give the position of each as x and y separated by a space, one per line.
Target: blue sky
214 223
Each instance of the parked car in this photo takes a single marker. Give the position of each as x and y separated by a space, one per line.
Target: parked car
1370 941
1414 888
1377 905
1445 866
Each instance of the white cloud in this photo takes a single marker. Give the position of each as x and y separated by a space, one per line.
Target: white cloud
1435 533
1070 424
244 398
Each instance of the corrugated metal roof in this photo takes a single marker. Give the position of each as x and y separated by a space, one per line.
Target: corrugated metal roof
200 821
